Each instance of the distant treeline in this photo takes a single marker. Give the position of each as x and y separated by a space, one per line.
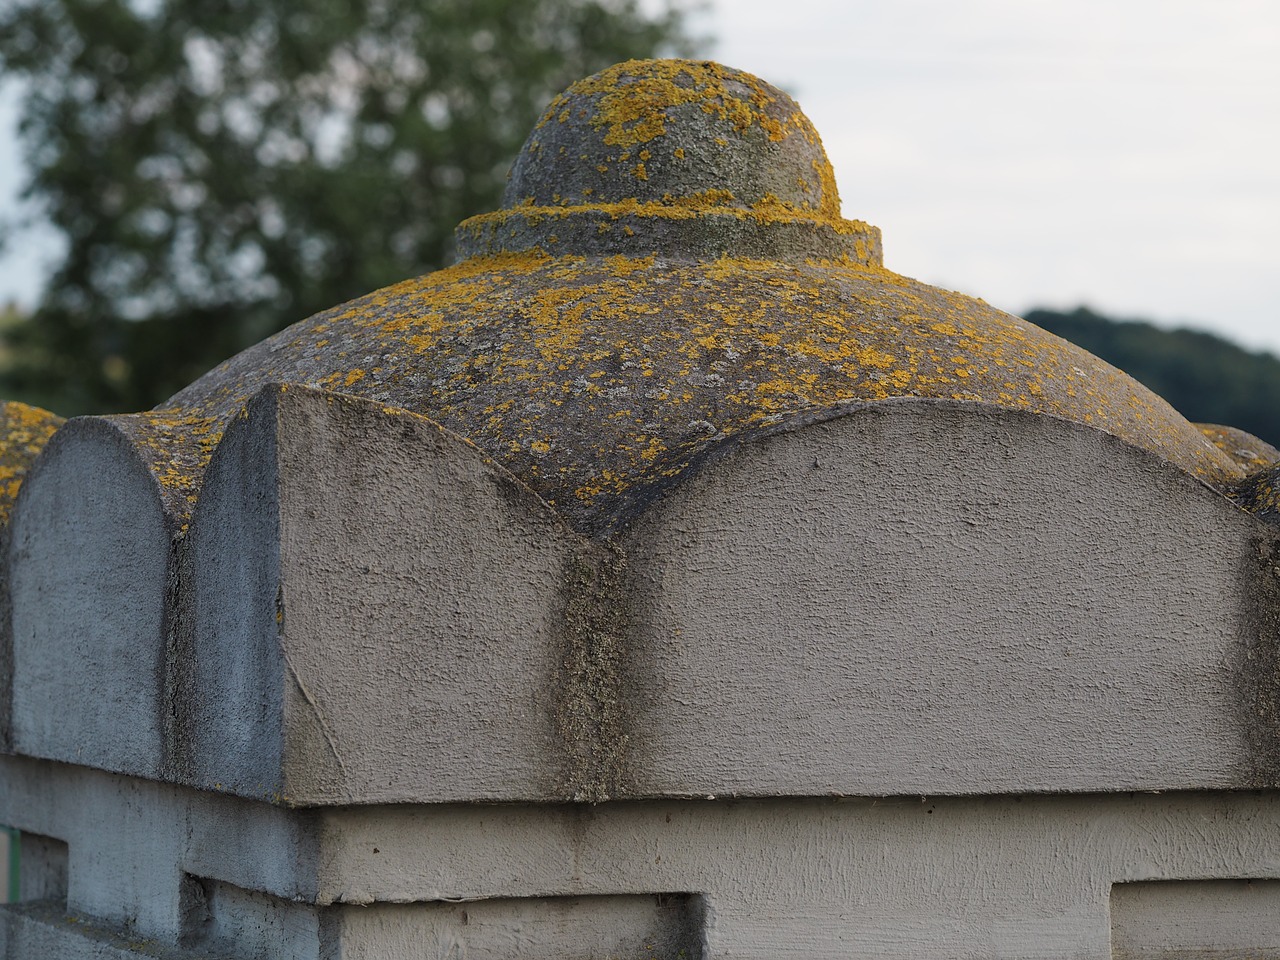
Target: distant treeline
1207 379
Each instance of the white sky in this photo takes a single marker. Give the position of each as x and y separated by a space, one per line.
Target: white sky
1119 153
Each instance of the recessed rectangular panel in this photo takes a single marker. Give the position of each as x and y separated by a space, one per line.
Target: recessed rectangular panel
226 919
41 868
1200 919
629 927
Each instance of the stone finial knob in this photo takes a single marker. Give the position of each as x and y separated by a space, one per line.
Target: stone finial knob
688 158
675 131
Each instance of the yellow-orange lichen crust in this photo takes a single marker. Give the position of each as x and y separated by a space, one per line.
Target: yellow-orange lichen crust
669 273
1248 452
176 446
688 157
24 431
1259 493
654 129
598 380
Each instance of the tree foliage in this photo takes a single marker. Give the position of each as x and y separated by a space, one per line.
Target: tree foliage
221 168
1204 377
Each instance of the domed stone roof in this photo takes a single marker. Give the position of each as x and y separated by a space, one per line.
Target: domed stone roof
24 430
1245 449
669 275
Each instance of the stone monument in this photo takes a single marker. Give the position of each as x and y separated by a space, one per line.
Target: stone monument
666 579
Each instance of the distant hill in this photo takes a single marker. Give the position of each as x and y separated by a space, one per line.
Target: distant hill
1206 378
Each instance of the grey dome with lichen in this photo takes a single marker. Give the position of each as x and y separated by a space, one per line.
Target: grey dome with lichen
672 131
607 331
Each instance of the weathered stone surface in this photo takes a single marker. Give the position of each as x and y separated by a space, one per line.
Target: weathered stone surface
935 598
366 607
133 846
43 929
376 616
915 597
737 639
1037 876
24 431
89 564
653 131
1195 918
1259 493
597 381
1244 448
667 579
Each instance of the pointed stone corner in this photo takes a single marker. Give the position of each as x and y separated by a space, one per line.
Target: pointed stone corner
24 431
90 555
376 613
1259 493
1249 452
941 598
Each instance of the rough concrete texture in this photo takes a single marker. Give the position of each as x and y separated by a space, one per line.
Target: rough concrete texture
654 131
627 927
597 381
690 158
24 431
42 929
88 569
132 845
793 561
1195 918
1259 493
1052 877
999 877
946 598
230 733
377 612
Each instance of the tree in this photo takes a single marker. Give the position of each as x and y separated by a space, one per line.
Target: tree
221 168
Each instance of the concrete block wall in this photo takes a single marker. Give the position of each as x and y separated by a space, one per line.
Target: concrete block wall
1093 876
314 679
90 552
980 599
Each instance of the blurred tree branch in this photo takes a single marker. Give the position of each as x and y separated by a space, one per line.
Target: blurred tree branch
222 168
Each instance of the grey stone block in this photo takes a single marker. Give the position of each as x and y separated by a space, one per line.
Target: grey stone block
24 431
905 878
928 597
42 929
1024 876
1195 918
917 597
376 612
89 559
129 852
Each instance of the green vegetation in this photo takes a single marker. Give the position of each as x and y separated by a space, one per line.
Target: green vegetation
1206 378
222 168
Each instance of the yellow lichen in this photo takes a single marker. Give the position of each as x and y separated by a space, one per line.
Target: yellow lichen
590 376
24 432
634 103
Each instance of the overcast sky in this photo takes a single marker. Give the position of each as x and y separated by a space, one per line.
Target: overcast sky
1123 154
1119 153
